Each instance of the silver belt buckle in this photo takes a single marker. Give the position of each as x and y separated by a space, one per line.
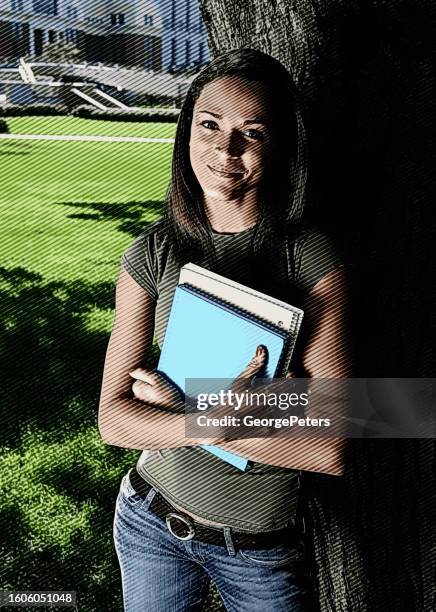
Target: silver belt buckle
183 519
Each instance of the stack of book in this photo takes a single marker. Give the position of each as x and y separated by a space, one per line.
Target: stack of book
214 328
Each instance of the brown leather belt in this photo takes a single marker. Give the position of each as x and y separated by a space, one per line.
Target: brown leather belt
184 527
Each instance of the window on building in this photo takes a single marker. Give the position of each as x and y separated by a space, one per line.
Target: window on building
187 52
48 7
20 38
38 41
72 12
51 36
149 52
188 14
173 51
148 20
173 13
17 5
19 31
118 19
72 35
201 52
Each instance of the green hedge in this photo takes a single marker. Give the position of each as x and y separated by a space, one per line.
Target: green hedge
86 111
21 110
163 115
4 129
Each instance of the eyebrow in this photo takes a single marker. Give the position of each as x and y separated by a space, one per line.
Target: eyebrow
260 120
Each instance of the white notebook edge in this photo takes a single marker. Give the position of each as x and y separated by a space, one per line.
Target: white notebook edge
190 272
227 281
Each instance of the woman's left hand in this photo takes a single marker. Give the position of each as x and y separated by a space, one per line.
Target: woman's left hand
153 388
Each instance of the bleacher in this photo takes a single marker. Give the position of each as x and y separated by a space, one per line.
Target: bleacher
128 82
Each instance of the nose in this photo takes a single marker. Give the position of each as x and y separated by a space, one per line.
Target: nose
228 144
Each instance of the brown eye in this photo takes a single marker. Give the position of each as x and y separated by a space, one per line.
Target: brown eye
254 134
209 125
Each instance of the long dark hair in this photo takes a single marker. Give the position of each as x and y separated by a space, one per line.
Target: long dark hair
282 194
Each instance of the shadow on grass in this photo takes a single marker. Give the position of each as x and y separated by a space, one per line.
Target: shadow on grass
14 153
51 363
89 565
14 148
128 214
58 481
56 524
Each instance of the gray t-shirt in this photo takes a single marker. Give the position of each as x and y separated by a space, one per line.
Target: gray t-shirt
264 497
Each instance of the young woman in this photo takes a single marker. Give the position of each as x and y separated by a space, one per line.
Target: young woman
183 516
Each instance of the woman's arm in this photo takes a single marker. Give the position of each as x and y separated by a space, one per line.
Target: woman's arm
123 420
128 416
327 355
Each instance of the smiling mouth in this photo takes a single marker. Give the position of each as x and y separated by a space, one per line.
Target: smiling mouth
225 174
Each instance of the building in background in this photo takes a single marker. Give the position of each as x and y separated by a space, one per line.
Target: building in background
157 35
184 36
126 32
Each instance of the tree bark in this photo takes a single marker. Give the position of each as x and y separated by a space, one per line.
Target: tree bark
364 70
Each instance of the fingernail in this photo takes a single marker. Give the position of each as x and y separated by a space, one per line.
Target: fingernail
260 351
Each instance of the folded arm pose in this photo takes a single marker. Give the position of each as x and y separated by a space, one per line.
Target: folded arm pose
129 409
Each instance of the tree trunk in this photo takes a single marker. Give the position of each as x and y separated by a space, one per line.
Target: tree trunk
364 70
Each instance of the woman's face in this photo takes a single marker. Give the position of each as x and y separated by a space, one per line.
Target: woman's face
230 144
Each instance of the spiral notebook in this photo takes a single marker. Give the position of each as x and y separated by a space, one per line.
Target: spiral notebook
275 311
209 338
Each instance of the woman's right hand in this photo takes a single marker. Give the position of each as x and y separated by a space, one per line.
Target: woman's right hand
254 367
242 385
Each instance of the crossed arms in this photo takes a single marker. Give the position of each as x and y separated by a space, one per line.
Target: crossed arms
126 420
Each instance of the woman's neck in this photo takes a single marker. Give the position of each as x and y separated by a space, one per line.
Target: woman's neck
231 215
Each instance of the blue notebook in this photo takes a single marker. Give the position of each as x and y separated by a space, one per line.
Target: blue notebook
208 338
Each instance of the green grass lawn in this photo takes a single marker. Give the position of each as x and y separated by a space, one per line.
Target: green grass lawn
68 210
88 127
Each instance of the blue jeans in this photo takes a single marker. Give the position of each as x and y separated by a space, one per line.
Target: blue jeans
162 573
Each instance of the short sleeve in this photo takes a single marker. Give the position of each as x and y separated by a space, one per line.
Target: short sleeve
315 256
139 261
